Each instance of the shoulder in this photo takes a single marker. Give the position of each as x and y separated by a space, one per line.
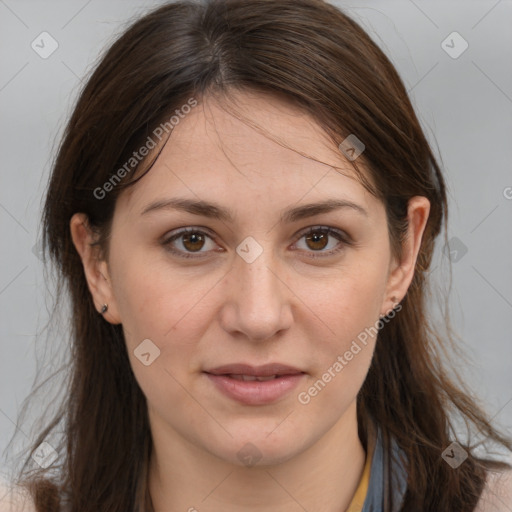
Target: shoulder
13 499
497 493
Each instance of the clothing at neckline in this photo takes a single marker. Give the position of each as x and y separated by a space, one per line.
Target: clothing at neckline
372 490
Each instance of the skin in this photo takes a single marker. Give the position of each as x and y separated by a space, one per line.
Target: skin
217 309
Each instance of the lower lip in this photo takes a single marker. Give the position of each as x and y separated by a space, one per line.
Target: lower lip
254 392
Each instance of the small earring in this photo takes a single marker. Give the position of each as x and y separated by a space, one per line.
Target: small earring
104 308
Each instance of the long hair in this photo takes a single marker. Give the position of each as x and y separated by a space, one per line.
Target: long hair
312 54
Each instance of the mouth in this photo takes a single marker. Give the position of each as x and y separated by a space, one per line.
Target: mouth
251 385
248 372
248 378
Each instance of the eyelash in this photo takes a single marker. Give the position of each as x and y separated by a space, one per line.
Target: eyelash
326 230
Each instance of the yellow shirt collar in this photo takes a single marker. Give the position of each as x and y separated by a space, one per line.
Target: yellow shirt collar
356 505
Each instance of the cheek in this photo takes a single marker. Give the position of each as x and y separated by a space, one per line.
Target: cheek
348 307
343 354
158 318
352 300
169 309
151 297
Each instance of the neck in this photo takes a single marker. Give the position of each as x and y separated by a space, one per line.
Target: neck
324 477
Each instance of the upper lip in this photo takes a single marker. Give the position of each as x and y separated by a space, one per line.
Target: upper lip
257 371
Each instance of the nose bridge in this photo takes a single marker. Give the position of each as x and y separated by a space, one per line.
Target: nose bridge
253 270
260 303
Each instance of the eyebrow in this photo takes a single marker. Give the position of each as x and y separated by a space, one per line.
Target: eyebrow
214 211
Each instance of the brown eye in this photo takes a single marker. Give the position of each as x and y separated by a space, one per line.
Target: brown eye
188 241
317 240
193 241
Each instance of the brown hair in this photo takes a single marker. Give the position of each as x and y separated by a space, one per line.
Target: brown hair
314 55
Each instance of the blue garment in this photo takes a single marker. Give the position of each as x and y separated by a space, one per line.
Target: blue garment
374 501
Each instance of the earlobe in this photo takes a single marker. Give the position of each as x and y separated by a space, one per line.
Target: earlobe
402 273
394 303
95 268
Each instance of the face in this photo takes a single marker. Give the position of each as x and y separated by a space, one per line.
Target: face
268 281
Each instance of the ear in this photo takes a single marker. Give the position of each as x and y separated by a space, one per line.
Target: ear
95 268
401 273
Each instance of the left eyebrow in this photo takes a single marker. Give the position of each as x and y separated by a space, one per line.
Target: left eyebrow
310 210
214 211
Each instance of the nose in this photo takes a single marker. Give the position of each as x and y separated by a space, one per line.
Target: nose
258 299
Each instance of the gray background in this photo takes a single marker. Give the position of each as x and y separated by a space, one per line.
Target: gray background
464 104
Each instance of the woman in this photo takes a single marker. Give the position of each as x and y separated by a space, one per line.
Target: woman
244 209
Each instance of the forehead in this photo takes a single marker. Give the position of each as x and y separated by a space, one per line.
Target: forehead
258 148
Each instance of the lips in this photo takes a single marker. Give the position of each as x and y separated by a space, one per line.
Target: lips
255 385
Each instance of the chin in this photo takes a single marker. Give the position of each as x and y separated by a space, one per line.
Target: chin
261 449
